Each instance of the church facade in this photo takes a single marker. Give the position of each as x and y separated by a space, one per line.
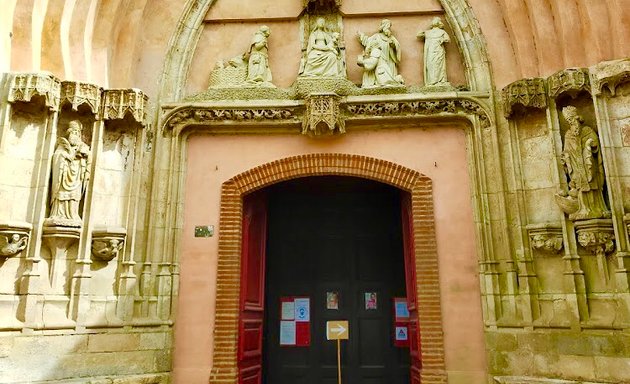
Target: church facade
196 191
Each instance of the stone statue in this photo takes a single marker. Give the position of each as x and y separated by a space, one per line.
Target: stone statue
258 72
70 174
12 246
435 54
323 55
582 159
381 56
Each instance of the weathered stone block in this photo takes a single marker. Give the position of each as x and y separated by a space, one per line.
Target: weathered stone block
111 342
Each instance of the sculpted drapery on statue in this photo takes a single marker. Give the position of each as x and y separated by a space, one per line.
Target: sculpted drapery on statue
435 54
70 174
380 59
323 55
258 72
583 163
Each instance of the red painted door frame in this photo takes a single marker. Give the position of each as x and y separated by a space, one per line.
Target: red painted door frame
252 299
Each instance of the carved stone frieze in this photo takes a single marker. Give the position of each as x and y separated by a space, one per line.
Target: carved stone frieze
14 238
420 108
545 238
26 85
107 243
523 94
610 74
569 81
77 93
120 102
323 115
194 115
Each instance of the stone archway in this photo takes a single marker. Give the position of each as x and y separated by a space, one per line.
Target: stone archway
224 368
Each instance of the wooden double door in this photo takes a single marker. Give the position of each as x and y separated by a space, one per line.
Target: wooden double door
325 237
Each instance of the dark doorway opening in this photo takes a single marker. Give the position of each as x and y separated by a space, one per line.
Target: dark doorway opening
343 235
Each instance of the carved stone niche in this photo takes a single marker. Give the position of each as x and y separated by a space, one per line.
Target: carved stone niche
14 238
570 81
626 219
523 94
77 93
26 85
610 74
107 243
119 103
323 116
598 237
546 238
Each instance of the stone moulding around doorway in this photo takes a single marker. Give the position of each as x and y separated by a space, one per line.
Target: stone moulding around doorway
271 116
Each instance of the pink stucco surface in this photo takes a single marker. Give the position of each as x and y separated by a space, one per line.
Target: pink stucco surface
438 152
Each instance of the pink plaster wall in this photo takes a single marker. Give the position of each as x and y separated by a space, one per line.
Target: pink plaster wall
438 152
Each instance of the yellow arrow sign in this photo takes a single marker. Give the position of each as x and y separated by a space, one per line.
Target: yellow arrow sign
337 330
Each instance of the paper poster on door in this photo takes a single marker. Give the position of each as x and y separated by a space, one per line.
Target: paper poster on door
332 300
295 325
302 310
371 301
401 322
287 333
402 333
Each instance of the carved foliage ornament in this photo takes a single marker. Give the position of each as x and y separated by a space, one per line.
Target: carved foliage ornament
119 102
323 116
546 238
26 85
522 94
421 108
569 81
199 116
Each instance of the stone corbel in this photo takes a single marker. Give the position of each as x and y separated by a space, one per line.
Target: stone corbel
598 237
14 238
323 116
26 85
107 243
120 102
524 94
609 75
546 238
77 93
570 81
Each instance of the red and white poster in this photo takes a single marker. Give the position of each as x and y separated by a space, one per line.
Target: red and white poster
295 321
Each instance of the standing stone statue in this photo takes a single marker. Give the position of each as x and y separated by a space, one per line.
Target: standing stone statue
582 159
323 55
435 54
258 72
380 59
70 174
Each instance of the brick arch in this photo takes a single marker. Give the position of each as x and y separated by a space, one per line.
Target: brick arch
224 369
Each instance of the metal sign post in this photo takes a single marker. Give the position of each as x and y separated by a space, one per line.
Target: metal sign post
337 330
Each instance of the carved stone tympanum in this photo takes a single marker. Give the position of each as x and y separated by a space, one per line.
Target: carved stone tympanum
380 59
583 163
323 116
70 174
523 94
435 54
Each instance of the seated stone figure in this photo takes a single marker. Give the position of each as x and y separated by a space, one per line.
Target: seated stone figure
323 56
